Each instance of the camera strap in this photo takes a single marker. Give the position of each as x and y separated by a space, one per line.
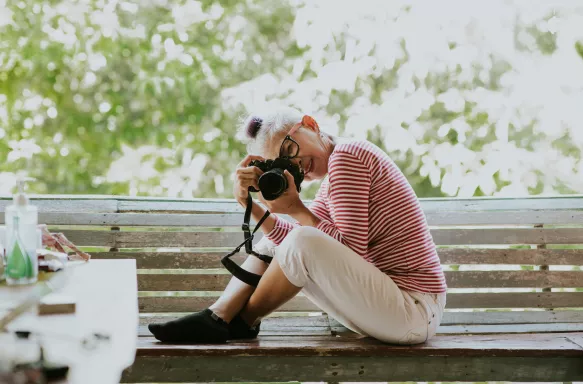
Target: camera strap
240 273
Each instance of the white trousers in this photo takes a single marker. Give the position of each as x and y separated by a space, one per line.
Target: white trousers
353 291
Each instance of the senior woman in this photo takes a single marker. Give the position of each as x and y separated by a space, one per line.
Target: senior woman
362 251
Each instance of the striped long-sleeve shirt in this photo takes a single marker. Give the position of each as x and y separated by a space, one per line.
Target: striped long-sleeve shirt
367 204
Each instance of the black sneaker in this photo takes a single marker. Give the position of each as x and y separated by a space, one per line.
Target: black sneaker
240 330
199 327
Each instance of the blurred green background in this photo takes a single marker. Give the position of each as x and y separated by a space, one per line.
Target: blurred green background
145 98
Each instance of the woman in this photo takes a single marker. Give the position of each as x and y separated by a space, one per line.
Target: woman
362 251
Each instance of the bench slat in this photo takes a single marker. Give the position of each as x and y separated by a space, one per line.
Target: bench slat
516 300
449 318
190 304
509 328
572 202
516 345
511 256
274 328
508 236
101 203
466 279
278 368
454 300
513 317
172 260
514 279
84 204
204 260
548 217
141 239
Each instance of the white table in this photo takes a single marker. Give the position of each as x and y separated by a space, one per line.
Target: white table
105 292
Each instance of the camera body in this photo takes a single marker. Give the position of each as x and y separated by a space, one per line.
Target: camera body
273 182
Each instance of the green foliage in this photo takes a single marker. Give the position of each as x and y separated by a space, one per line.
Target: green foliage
153 80
144 98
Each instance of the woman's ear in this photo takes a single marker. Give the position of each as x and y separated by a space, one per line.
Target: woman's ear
309 122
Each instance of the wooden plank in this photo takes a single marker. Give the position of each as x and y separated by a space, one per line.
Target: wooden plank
201 281
507 345
514 217
449 318
514 279
147 239
143 331
141 219
234 219
181 206
183 282
576 339
509 328
83 204
572 202
281 330
516 300
204 260
157 304
91 238
430 204
511 256
305 325
140 239
352 369
195 303
271 322
172 260
508 236
512 317
321 325
178 239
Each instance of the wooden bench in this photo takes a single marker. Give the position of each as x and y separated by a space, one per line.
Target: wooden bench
514 312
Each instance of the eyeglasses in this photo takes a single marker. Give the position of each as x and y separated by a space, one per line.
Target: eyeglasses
289 148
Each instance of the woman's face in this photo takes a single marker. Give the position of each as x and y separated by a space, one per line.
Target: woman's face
313 153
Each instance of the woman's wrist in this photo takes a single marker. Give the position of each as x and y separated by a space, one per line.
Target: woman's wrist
305 217
257 212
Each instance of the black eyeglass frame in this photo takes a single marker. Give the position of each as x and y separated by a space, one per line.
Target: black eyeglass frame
289 138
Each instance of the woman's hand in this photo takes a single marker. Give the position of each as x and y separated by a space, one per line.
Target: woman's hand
289 202
245 177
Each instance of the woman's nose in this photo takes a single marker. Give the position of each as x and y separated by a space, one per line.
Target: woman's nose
297 162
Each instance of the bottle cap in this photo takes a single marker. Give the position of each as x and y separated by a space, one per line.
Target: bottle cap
20 198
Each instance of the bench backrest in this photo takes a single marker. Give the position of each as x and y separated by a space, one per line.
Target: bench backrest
507 261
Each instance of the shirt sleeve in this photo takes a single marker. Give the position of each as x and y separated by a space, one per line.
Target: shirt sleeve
283 227
348 202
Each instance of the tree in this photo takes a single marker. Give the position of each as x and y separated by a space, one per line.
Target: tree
144 98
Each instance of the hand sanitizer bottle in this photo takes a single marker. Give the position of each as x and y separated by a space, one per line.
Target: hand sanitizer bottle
21 240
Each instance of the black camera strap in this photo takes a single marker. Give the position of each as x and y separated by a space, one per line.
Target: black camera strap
240 273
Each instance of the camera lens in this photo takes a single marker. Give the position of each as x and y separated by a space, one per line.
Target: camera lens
272 184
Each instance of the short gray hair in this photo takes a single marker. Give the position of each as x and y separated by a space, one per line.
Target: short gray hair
260 128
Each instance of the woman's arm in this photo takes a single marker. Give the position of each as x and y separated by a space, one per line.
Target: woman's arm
341 209
348 203
303 215
257 213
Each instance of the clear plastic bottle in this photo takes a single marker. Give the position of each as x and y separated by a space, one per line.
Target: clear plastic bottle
21 240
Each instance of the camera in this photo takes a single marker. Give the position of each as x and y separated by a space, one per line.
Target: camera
273 182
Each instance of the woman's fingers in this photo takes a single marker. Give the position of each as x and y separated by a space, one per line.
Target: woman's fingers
249 171
246 183
248 159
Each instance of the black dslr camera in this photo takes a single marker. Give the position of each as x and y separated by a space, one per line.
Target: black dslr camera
273 182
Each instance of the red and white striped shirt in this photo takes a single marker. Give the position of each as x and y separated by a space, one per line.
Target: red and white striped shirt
368 205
